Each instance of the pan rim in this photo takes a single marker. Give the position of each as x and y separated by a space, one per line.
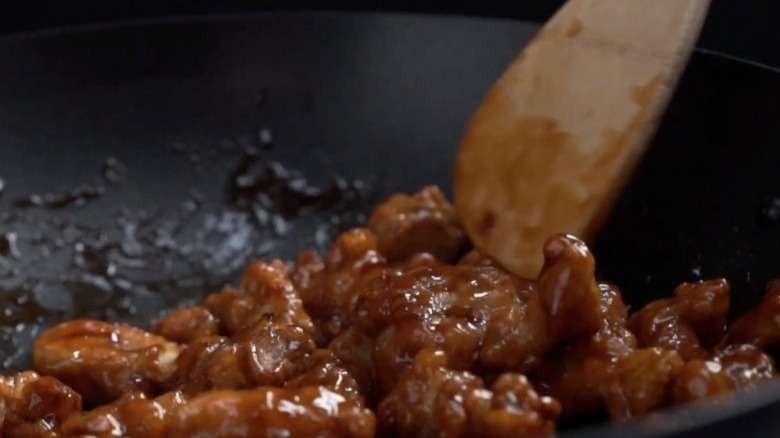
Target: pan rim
238 16
57 31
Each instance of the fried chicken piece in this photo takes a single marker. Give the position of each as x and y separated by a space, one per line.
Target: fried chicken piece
304 412
324 369
735 366
132 415
700 379
35 406
446 307
266 353
515 409
760 326
575 372
642 382
433 400
266 290
103 361
607 370
397 345
191 357
568 292
187 324
300 412
565 303
330 287
481 317
691 322
355 350
746 364
421 223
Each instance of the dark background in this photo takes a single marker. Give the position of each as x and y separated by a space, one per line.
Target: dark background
738 27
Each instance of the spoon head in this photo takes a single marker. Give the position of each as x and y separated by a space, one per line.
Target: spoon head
559 134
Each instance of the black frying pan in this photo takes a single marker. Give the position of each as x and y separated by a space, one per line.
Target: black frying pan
325 114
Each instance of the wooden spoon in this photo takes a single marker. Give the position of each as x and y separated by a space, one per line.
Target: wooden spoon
557 137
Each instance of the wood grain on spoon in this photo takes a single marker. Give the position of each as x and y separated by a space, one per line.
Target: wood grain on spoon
558 135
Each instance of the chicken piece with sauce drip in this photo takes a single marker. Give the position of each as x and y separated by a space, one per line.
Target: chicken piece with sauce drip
576 372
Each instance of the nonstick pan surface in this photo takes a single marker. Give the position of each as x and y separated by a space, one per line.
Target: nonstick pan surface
125 152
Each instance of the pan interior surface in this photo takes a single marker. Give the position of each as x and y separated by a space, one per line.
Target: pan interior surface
339 109
125 151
